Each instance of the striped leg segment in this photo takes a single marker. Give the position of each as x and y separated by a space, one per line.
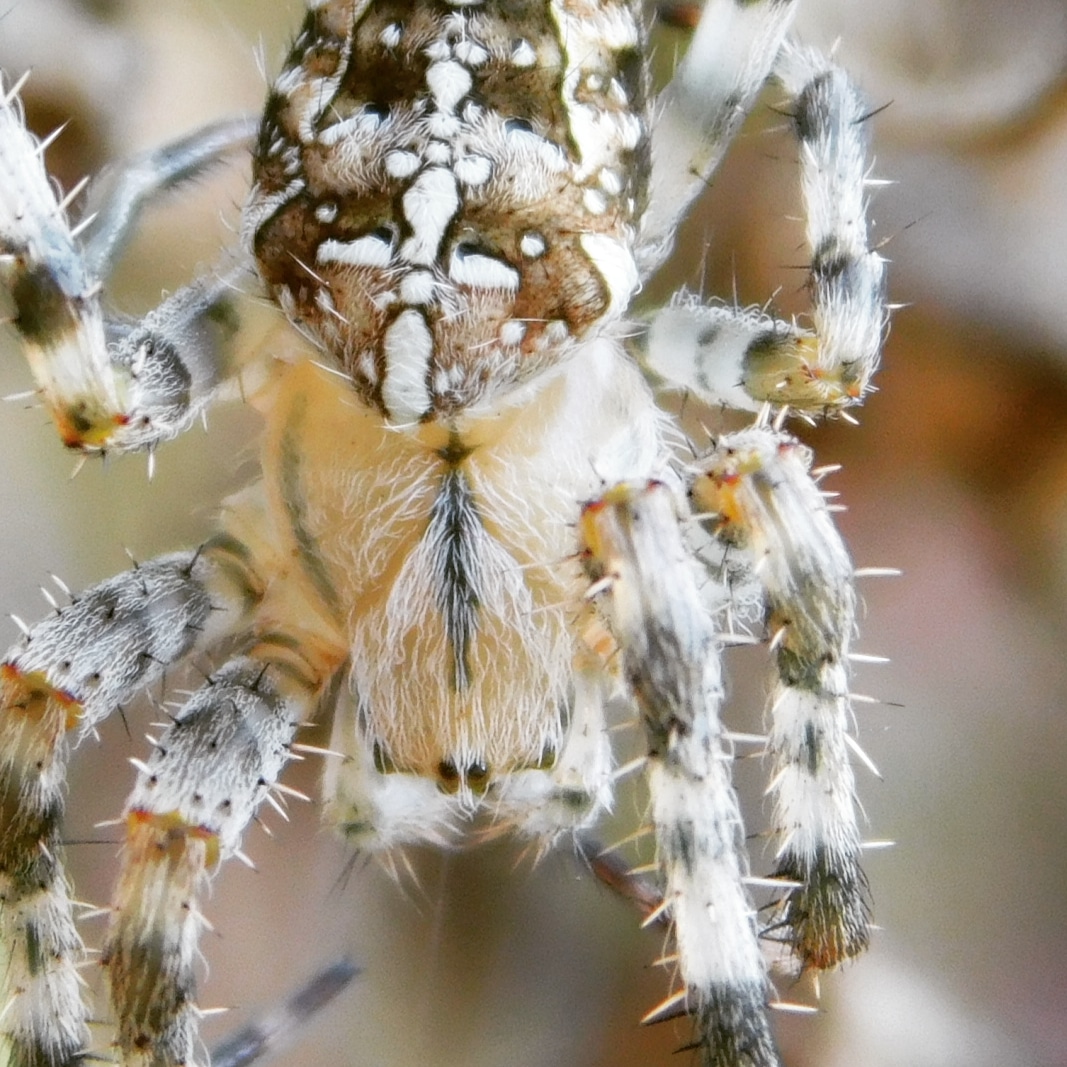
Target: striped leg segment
44 1019
110 385
643 578
56 297
743 357
64 677
171 363
730 57
768 506
193 799
847 278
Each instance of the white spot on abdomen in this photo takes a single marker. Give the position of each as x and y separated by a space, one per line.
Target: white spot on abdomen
362 252
482 272
523 55
615 264
532 245
408 348
449 83
417 287
473 170
429 206
400 164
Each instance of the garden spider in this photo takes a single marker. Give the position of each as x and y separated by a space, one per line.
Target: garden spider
475 529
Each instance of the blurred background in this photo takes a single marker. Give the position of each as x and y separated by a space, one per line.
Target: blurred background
957 475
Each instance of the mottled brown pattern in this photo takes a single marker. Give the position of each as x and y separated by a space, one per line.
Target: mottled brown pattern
512 107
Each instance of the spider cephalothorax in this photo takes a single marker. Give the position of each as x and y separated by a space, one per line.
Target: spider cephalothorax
472 532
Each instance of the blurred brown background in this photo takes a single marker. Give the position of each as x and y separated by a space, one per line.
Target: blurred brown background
957 475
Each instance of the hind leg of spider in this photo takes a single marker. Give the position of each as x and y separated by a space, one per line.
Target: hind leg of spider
732 52
269 1034
116 206
67 674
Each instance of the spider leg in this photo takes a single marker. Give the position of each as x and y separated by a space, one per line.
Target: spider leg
768 508
67 674
193 799
109 384
744 357
116 202
613 872
730 56
271 1033
633 551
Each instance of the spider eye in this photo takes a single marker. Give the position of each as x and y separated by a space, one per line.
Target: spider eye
448 775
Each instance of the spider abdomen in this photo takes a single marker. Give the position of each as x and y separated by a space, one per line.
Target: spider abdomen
446 194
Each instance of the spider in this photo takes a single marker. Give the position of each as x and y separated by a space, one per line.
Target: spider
475 533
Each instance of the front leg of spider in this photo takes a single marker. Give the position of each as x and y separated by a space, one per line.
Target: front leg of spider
193 799
66 675
644 576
